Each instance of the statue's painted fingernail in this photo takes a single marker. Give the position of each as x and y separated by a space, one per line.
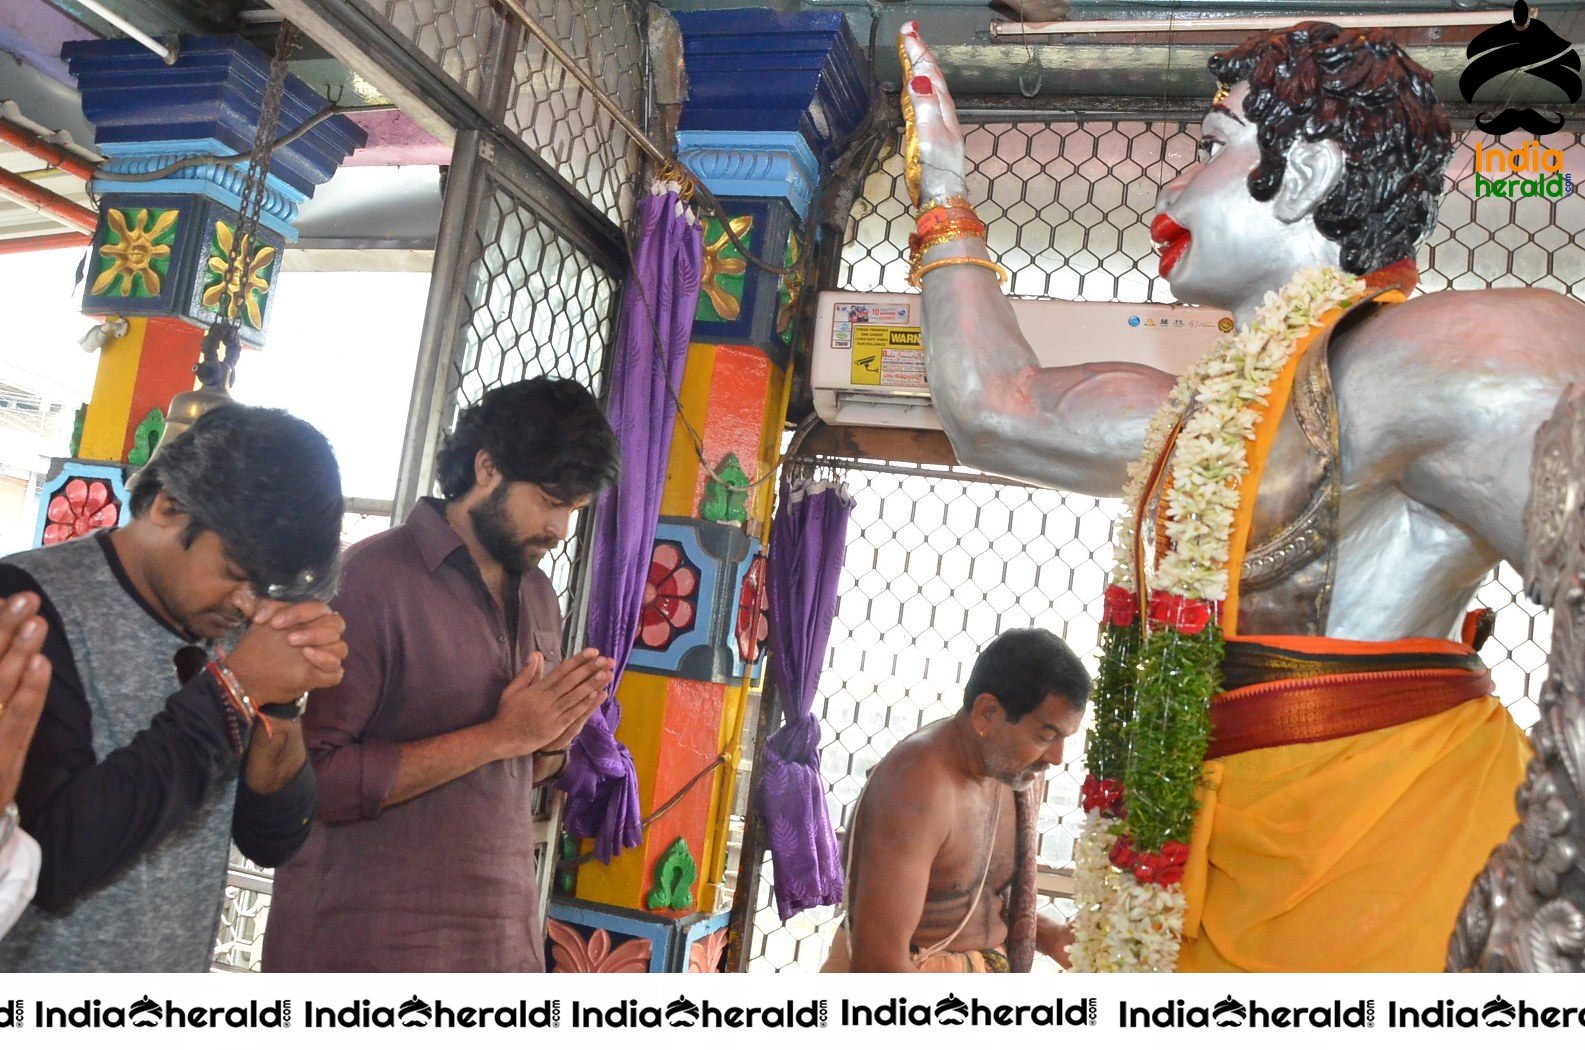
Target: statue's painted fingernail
921 85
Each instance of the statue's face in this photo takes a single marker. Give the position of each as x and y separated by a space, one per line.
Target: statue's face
1218 245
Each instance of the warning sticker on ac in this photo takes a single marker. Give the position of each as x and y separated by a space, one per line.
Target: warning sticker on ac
889 356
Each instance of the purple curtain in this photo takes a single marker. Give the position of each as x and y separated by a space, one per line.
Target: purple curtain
807 542
652 345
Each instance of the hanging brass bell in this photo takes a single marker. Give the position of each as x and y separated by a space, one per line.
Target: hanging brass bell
214 371
187 406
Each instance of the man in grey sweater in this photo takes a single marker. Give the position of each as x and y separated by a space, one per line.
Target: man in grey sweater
157 747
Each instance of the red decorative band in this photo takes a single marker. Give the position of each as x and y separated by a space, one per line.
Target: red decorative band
1326 707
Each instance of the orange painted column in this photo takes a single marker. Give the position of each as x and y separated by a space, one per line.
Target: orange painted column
772 97
687 682
138 375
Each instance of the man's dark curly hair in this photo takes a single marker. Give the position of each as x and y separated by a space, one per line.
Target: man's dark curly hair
267 484
1356 86
1022 667
549 432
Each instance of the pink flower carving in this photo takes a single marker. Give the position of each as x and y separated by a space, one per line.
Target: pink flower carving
78 510
752 601
570 953
671 596
704 955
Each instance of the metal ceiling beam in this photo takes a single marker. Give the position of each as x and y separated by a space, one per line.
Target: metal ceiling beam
1218 23
28 142
45 242
47 202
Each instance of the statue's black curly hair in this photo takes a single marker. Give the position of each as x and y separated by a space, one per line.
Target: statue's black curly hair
1357 87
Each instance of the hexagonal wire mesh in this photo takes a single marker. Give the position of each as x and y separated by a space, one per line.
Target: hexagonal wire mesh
534 304
938 562
540 102
457 35
557 117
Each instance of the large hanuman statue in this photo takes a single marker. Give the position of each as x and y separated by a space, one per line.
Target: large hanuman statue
1297 762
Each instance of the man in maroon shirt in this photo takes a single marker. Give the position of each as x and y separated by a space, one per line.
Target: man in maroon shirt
454 704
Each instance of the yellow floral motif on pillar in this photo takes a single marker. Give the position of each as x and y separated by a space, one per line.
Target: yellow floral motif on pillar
722 262
136 253
790 291
248 282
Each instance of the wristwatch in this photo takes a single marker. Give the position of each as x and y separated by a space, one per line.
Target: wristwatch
560 753
289 710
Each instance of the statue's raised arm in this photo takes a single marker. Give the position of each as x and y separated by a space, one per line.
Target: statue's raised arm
1074 428
1315 505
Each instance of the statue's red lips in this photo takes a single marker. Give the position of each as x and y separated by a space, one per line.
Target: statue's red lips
1171 241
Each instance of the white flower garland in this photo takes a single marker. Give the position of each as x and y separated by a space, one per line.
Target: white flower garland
1123 924
1228 389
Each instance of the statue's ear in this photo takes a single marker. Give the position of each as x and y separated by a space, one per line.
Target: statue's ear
1313 170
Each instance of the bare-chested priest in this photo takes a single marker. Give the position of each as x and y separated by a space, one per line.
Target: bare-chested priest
935 842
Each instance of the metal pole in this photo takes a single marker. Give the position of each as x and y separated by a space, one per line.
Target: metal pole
45 242
47 202
25 140
751 856
165 53
1214 25
458 213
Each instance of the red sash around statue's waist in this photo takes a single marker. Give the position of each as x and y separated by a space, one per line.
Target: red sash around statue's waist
1300 690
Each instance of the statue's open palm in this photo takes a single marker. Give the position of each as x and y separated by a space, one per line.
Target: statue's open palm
932 142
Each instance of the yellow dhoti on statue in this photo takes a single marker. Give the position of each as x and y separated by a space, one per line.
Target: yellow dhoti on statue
1316 853
1352 790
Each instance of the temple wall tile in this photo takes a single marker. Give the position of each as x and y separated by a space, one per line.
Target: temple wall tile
79 496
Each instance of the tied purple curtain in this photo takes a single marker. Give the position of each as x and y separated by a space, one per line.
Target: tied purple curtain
658 305
807 542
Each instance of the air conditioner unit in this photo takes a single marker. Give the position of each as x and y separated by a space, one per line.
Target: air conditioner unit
869 367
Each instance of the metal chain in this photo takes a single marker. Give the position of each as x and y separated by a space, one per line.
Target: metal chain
253 186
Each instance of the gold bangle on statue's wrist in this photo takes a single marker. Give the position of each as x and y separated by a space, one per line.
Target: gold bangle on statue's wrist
947 200
957 260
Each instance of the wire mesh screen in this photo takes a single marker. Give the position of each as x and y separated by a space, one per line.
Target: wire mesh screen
1067 209
938 562
557 117
536 99
456 35
533 304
